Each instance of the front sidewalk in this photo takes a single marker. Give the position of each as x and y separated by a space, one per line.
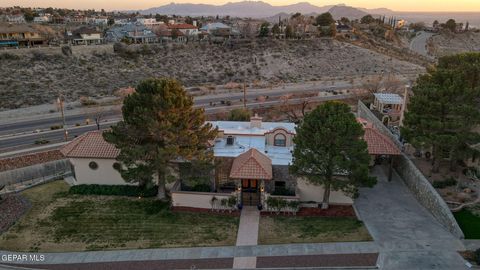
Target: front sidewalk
197 253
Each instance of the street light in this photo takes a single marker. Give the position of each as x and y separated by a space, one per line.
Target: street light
60 104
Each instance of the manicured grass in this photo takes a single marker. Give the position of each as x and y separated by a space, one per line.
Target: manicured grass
60 221
291 229
469 223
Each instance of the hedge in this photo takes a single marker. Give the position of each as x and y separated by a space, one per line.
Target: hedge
117 190
445 183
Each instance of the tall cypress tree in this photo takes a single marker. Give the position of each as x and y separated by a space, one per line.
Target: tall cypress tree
159 125
329 150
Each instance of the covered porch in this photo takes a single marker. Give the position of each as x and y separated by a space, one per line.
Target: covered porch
250 171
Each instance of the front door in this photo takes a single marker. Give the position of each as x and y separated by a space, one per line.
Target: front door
250 192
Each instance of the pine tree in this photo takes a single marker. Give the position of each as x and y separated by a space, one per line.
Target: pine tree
329 150
159 125
444 108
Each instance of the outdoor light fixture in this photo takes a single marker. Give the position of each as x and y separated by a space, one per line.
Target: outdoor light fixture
239 188
262 189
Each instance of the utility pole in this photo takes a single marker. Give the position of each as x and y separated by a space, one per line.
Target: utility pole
244 95
60 104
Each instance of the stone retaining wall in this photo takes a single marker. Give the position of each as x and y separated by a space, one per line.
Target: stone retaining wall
415 180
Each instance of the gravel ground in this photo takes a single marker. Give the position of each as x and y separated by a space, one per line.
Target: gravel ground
12 207
37 76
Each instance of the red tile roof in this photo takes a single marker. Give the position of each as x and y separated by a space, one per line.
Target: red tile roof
378 143
251 165
90 145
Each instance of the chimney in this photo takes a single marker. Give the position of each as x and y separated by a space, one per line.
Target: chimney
256 121
194 23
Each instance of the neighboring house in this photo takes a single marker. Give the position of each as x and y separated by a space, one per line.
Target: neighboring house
100 21
18 18
388 107
185 28
121 21
84 36
211 27
149 22
41 19
20 35
133 32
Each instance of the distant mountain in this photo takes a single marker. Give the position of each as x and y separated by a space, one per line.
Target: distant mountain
345 11
254 9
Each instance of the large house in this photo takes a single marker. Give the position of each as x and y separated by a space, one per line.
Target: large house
133 32
84 36
251 163
20 35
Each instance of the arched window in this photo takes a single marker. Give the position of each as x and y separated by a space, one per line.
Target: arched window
280 140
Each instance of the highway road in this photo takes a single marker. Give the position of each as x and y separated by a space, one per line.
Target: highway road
29 126
419 43
27 141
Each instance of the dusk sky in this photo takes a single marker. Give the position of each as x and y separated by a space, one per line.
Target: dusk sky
397 5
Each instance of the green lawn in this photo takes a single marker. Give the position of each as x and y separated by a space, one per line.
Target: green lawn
292 229
60 222
469 223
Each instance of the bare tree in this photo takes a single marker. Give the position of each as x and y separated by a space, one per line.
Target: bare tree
294 110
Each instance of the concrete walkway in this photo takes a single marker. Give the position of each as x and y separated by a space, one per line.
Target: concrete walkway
247 236
195 253
408 236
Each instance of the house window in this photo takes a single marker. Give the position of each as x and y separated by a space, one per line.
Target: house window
93 165
230 140
280 184
280 140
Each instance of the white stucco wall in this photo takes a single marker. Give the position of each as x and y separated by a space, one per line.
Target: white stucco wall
310 192
196 199
105 174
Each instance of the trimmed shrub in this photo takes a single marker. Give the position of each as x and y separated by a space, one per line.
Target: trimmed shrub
115 190
281 191
445 183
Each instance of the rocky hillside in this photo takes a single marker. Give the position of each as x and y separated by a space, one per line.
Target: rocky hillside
36 76
447 43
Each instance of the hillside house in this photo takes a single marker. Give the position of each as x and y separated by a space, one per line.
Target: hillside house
388 107
185 28
133 32
84 36
20 35
17 18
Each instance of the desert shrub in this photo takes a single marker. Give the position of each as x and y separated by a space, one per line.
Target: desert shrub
67 50
56 127
9 56
114 190
201 188
445 183
85 101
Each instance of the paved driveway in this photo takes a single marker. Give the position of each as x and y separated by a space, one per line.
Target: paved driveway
419 43
406 233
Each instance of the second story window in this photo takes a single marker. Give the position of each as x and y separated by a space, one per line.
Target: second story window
280 140
230 140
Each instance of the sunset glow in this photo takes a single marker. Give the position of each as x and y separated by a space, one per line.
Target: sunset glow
404 5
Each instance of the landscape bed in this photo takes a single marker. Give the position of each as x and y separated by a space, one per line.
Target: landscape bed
295 229
59 221
469 223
